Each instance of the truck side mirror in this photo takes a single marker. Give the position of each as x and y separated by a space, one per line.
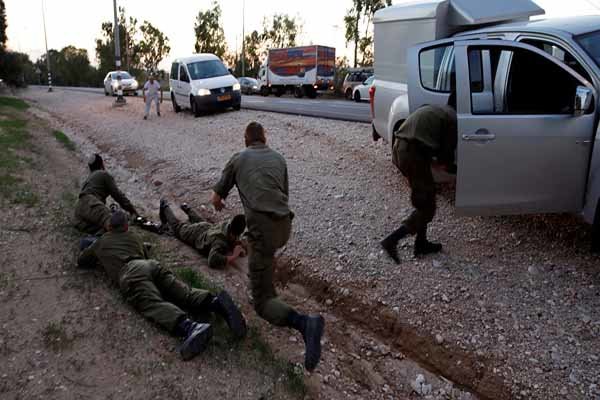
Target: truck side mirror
583 100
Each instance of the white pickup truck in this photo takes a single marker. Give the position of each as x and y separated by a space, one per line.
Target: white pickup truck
527 100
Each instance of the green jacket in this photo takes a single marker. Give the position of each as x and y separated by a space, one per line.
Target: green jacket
210 240
101 184
261 177
113 250
435 127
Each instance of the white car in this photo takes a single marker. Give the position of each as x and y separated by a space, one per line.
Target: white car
361 92
114 79
202 82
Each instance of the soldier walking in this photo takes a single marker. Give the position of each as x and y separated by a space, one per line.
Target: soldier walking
214 241
428 133
155 292
261 177
91 213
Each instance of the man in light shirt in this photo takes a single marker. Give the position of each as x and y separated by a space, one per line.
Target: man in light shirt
150 92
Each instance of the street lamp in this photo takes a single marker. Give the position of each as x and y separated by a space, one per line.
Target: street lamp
120 99
47 53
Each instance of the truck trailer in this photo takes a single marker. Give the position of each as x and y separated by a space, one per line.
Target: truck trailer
302 71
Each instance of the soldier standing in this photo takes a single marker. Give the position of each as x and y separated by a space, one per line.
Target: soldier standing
155 291
261 177
214 241
91 213
430 132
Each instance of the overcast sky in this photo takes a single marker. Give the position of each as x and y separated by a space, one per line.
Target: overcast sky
78 22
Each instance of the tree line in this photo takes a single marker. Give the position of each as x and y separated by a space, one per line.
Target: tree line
144 46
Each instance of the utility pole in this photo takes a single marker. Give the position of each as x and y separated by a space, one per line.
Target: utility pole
243 37
47 53
120 99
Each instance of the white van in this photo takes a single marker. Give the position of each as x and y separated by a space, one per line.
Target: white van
201 82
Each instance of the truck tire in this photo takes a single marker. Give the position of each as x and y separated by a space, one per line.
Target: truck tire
298 92
176 107
264 91
596 230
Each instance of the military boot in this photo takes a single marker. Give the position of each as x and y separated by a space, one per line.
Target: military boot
424 246
196 338
390 243
166 214
193 216
312 328
223 305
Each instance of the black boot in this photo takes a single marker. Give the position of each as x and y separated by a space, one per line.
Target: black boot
424 246
390 243
193 216
312 328
224 306
166 214
196 338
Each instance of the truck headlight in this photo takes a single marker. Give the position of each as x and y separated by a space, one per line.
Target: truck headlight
203 92
237 87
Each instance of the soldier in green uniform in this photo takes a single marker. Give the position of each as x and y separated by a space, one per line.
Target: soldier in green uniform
155 291
261 177
430 132
91 213
214 241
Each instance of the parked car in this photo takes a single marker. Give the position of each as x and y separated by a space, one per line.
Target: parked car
114 79
361 92
355 77
528 100
201 82
249 85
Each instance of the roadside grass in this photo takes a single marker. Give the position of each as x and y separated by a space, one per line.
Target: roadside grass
64 140
253 352
55 337
14 141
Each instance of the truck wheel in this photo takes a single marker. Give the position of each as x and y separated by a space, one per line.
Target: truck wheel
298 92
176 108
195 108
596 230
264 91
357 96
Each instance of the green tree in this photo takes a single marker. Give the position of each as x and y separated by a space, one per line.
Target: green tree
16 69
210 37
3 25
282 31
255 51
153 47
130 48
358 18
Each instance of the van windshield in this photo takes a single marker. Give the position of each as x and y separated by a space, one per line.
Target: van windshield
207 69
591 44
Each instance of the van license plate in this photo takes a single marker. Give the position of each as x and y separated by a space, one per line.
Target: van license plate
224 97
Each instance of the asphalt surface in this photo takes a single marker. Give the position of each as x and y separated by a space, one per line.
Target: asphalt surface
343 110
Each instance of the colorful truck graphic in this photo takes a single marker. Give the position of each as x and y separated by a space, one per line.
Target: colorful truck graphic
300 70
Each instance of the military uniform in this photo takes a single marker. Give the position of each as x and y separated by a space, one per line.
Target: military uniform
150 288
261 177
426 133
91 212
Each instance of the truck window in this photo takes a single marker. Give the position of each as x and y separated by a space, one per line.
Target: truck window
436 68
558 52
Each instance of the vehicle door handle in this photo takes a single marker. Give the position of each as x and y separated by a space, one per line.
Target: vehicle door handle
481 135
584 142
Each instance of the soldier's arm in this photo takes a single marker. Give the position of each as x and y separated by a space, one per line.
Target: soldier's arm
217 257
286 183
119 196
227 181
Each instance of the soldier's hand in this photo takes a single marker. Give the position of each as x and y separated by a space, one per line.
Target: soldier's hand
217 201
238 251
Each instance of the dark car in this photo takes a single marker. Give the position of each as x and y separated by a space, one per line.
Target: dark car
249 85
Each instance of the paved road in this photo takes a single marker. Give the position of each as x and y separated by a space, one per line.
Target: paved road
322 108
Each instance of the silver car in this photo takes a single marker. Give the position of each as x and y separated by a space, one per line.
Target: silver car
248 85
123 79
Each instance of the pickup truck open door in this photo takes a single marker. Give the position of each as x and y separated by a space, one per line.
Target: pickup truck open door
522 148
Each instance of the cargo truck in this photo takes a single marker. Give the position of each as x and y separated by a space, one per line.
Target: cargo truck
302 71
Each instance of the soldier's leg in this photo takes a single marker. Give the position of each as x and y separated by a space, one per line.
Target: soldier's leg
157 100
147 107
168 217
91 215
193 216
423 199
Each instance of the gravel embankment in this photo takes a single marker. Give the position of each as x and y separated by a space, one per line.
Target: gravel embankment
522 291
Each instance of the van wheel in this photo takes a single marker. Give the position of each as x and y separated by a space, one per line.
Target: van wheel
298 92
237 107
348 94
176 108
195 108
357 96
596 230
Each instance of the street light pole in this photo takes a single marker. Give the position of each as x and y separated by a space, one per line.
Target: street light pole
243 37
47 53
120 98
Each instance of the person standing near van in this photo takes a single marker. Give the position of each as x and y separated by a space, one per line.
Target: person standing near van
429 132
150 92
261 177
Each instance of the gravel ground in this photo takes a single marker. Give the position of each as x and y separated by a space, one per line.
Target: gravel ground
521 292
